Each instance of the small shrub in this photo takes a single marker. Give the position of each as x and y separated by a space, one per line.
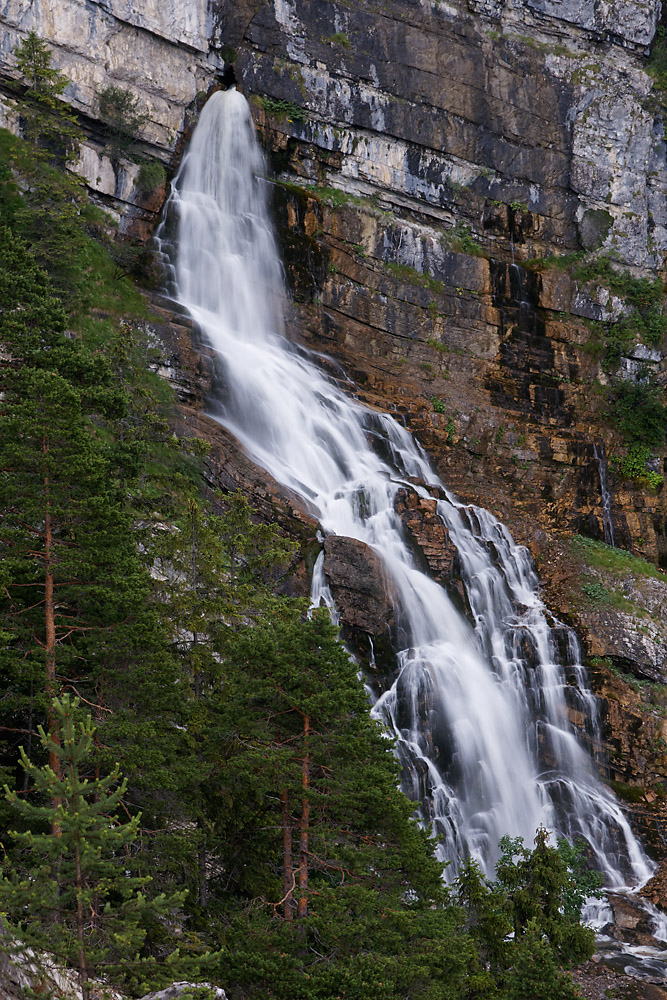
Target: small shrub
283 109
464 241
633 466
596 592
339 38
119 110
638 412
151 176
438 404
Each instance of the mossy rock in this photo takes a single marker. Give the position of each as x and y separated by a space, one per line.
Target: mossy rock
594 228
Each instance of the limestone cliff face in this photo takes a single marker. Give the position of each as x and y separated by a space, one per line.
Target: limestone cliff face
461 140
164 53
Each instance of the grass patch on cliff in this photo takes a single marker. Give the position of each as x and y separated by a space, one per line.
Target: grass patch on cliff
282 109
404 272
337 198
619 562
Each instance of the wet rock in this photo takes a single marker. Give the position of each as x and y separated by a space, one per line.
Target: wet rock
431 542
632 922
227 469
359 585
655 889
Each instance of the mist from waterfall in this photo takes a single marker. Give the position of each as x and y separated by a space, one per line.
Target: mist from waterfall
480 708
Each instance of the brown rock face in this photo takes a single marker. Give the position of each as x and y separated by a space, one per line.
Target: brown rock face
419 515
431 541
359 585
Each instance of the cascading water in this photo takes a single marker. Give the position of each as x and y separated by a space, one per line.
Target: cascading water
481 712
607 523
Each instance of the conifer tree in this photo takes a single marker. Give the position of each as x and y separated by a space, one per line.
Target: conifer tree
546 888
119 110
75 605
320 855
61 524
70 893
212 575
47 121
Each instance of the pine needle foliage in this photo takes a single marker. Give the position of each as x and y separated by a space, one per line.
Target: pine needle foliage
69 893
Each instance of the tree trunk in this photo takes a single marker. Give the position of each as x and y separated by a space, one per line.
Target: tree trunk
80 927
50 630
288 866
203 883
302 905
50 640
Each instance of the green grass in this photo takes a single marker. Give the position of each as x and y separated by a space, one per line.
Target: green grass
403 272
339 38
462 240
616 561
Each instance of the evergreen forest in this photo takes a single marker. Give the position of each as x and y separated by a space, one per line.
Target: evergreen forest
194 788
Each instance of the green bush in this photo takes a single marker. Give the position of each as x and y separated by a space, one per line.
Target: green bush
638 412
281 109
464 241
340 38
596 592
151 176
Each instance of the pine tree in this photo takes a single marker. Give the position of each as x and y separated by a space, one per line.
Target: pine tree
75 605
71 895
535 971
546 887
47 121
320 856
61 523
487 921
119 110
212 577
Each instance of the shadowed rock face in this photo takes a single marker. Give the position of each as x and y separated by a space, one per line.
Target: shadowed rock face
359 586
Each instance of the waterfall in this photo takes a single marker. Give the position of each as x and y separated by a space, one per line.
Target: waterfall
607 523
481 709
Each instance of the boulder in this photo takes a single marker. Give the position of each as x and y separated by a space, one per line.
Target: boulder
359 585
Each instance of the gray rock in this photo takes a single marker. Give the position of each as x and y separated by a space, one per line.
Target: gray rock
633 20
178 989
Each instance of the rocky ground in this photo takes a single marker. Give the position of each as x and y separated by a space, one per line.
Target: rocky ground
599 982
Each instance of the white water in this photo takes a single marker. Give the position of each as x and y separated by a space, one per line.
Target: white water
607 523
481 714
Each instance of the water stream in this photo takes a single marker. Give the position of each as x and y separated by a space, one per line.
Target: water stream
607 522
481 708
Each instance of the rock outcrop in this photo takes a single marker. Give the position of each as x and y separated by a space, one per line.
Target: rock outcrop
359 586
